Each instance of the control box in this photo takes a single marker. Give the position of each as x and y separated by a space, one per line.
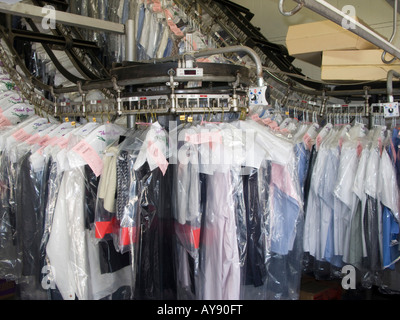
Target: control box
189 72
257 96
391 109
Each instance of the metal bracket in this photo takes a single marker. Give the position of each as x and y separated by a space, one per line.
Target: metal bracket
292 12
172 84
83 94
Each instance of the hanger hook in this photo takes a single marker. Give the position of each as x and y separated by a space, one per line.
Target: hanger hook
293 11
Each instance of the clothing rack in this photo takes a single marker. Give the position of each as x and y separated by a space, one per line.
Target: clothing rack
286 83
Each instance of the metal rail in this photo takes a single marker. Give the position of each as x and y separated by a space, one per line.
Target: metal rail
389 84
335 15
30 11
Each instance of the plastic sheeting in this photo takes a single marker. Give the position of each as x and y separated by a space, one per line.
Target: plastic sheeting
238 227
48 205
352 204
203 210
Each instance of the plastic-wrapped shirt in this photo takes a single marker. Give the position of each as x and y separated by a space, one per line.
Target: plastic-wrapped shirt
345 200
390 223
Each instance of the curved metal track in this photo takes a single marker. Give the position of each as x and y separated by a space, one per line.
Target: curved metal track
233 20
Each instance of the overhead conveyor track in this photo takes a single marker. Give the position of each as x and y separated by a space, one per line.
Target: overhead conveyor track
233 21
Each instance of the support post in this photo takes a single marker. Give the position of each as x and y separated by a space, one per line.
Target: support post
130 55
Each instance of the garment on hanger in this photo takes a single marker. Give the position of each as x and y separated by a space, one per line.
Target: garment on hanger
73 216
256 201
186 208
347 215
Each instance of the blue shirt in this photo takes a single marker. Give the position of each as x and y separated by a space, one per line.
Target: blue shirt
390 233
283 223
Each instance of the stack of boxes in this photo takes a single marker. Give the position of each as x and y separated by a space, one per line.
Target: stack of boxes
341 54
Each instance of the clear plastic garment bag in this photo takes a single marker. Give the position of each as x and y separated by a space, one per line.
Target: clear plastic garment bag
352 203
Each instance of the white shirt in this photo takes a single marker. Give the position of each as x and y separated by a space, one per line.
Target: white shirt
66 247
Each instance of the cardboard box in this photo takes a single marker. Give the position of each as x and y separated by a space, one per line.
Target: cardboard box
316 37
356 65
320 290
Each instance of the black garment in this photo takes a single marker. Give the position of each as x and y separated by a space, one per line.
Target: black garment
255 270
29 215
109 259
307 182
91 184
202 246
122 183
50 171
155 273
371 224
29 227
51 185
9 262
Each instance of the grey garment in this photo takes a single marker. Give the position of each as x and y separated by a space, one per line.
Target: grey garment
128 152
29 216
240 216
355 251
9 259
186 274
186 210
122 183
127 202
371 227
186 188
54 183
264 179
221 266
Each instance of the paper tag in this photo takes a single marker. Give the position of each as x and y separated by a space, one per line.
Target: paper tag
4 122
21 135
273 125
359 149
266 121
43 140
51 142
90 155
62 142
284 130
158 157
307 141
33 139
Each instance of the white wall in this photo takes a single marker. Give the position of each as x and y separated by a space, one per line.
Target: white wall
377 14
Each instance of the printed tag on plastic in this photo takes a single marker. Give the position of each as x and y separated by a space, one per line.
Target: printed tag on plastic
391 109
86 151
21 135
158 157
